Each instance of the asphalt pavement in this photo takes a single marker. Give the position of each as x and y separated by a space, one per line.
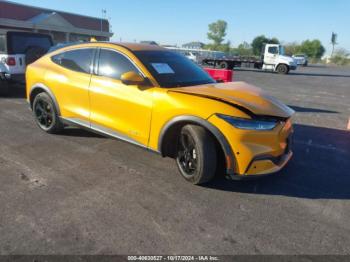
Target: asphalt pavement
81 193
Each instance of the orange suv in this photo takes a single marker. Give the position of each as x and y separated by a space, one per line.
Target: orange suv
157 99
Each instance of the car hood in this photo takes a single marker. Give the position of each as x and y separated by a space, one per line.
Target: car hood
241 95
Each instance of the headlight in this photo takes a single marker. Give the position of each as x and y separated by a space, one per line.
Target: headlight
249 124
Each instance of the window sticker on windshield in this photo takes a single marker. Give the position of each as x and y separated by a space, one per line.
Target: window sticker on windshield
163 68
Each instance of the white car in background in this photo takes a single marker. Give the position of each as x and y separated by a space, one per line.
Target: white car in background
301 59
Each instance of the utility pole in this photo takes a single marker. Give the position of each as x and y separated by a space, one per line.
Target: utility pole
333 41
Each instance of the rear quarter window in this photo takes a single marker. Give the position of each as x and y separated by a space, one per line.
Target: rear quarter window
79 60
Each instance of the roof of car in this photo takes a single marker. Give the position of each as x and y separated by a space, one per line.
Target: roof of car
139 47
130 46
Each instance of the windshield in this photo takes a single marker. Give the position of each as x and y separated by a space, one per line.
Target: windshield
171 69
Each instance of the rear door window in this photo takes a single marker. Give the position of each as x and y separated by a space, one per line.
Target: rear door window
79 60
19 42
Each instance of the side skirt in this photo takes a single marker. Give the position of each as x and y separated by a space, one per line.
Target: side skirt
103 131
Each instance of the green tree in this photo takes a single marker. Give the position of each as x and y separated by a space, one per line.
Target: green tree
243 49
341 57
258 43
224 47
292 48
217 32
273 40
260 40
312 48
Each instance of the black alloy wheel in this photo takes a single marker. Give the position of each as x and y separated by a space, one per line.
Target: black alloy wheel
187 155
45 114
196 156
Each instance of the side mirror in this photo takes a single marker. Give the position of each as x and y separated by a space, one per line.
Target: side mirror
132 78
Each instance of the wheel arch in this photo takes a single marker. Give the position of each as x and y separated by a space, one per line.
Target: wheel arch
288 67
171 129
40 88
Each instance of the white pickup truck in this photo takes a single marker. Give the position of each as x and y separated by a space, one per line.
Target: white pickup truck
301 59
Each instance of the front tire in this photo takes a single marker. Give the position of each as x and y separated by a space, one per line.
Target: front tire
45 114
196 155
282 69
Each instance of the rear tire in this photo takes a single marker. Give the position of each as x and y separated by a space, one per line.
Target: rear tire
45 114
196 155
282 69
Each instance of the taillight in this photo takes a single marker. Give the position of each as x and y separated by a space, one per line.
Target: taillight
11 61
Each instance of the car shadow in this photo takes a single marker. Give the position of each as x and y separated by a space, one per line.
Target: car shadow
311 110
319 169
16 91
79 132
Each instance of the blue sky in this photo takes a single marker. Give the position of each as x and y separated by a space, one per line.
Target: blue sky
181 21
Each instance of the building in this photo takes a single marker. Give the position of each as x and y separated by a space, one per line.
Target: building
62 26
194 45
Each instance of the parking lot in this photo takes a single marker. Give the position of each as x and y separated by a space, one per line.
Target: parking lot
81 193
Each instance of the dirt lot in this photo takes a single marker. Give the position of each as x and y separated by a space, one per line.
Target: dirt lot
80 193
